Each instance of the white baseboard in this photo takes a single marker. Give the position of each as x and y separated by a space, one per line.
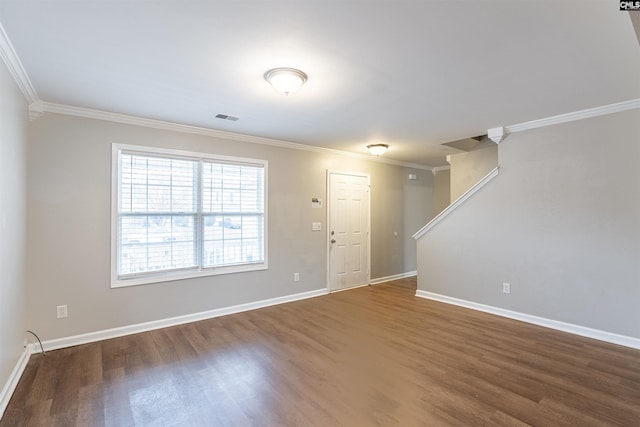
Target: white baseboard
333 291
173 321
12 382
379 280
540 321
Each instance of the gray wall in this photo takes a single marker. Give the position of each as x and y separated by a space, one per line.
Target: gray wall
441 190
69 162
561 223
469 168
418 200
13 142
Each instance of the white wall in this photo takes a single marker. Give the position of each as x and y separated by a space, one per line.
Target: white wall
13 140
68 243
561 223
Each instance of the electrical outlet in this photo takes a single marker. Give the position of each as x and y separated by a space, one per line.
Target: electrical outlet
506 288
296 277
61 311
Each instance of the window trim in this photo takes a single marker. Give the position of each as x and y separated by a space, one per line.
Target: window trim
171 275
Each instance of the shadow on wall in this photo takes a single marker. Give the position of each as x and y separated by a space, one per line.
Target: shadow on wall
466 168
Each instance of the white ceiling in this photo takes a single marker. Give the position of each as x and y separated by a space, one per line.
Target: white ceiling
413 74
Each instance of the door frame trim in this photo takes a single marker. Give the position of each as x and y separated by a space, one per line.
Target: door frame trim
328 231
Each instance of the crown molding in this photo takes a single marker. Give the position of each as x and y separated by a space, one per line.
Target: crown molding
497 134
436 169
577 115
69 110
11 60
36 110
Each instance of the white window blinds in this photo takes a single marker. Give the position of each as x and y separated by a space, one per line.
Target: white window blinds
232 209
187 214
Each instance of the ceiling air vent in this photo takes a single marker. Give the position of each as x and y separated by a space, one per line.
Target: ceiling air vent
227 117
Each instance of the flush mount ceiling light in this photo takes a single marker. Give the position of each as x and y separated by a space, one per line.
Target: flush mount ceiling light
377 149
285 80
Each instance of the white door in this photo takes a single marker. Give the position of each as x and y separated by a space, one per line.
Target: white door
348 230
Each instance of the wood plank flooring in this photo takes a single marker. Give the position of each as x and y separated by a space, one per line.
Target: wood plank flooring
370 356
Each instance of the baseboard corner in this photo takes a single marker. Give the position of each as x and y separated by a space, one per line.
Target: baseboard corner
14 378
379 280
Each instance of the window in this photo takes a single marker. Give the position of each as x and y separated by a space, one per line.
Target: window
178 215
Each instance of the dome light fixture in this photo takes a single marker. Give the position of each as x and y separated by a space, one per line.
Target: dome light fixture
377 149
285 80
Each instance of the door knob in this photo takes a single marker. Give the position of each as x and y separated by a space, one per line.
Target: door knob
333 240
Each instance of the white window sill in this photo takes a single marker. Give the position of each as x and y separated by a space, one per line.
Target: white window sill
146 279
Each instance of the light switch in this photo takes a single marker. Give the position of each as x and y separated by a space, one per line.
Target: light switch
316 226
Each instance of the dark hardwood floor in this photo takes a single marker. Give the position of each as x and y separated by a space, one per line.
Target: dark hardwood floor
370 356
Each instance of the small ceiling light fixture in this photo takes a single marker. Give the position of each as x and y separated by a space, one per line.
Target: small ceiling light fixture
377 149
285 80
